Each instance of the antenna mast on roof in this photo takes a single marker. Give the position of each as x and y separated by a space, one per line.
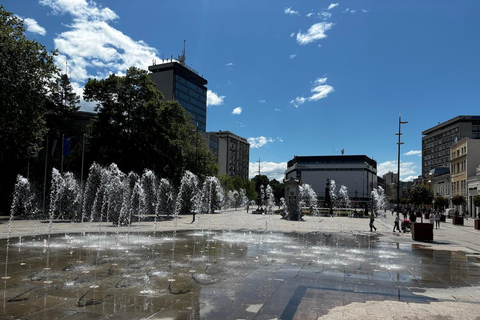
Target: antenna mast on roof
182 57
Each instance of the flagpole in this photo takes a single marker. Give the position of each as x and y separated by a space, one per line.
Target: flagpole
83 160
63 146
45 176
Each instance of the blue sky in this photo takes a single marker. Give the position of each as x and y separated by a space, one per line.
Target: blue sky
293 77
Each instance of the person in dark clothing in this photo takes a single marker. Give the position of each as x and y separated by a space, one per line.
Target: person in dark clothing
413 217
372 219
193 220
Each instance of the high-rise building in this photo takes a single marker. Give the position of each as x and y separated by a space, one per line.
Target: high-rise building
356 172
436 141
390 178
181 83
233 152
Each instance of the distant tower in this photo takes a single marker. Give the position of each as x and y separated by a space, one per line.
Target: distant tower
181 83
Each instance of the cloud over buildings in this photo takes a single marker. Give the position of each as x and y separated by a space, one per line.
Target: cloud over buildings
258 142
407 169
272 170
214 99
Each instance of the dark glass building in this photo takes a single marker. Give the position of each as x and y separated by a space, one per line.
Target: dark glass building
181 83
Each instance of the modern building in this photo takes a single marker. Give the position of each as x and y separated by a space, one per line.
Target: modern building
181 83
357 172
436 141
232 151
464 160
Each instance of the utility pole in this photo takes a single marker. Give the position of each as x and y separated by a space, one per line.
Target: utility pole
399 134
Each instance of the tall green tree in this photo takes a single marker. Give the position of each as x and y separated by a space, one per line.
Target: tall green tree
421 195
26 70
61 107
136 129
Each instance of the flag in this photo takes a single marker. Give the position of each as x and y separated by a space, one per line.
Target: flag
66 146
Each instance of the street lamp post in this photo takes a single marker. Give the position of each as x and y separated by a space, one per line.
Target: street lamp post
399 134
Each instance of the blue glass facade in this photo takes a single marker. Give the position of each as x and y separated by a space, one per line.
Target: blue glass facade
182 84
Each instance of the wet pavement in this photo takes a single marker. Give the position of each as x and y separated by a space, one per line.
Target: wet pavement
236 265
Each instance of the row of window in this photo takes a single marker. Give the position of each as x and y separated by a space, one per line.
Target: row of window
459 152
181 81
436 162
442 135
459 187
459 166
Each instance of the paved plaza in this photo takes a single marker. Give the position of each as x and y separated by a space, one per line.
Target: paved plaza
235 265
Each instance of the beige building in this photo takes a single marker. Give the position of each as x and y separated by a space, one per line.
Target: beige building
473 190
232 151
464 159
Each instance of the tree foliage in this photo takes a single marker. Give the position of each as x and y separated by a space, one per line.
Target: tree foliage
61 107
421 195
237 183
458 200
441 202
26 69
136 129
476 200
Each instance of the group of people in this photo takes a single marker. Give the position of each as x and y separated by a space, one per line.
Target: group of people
434 217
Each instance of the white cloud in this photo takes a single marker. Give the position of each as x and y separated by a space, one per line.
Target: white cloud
325 15
291 12
31 25
314 33
214 99
293 56
292 34
230 64
261 101
237 110
272 170
257 142
92 47
278 110
409 178
80 9
348 10
320 90
332 5
279 139
407 169
310 14
413 152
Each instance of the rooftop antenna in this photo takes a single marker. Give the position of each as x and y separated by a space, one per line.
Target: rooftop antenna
183 57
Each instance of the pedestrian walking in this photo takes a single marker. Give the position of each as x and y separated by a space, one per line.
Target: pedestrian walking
431 217
193 220
372 219
396 224
437 220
